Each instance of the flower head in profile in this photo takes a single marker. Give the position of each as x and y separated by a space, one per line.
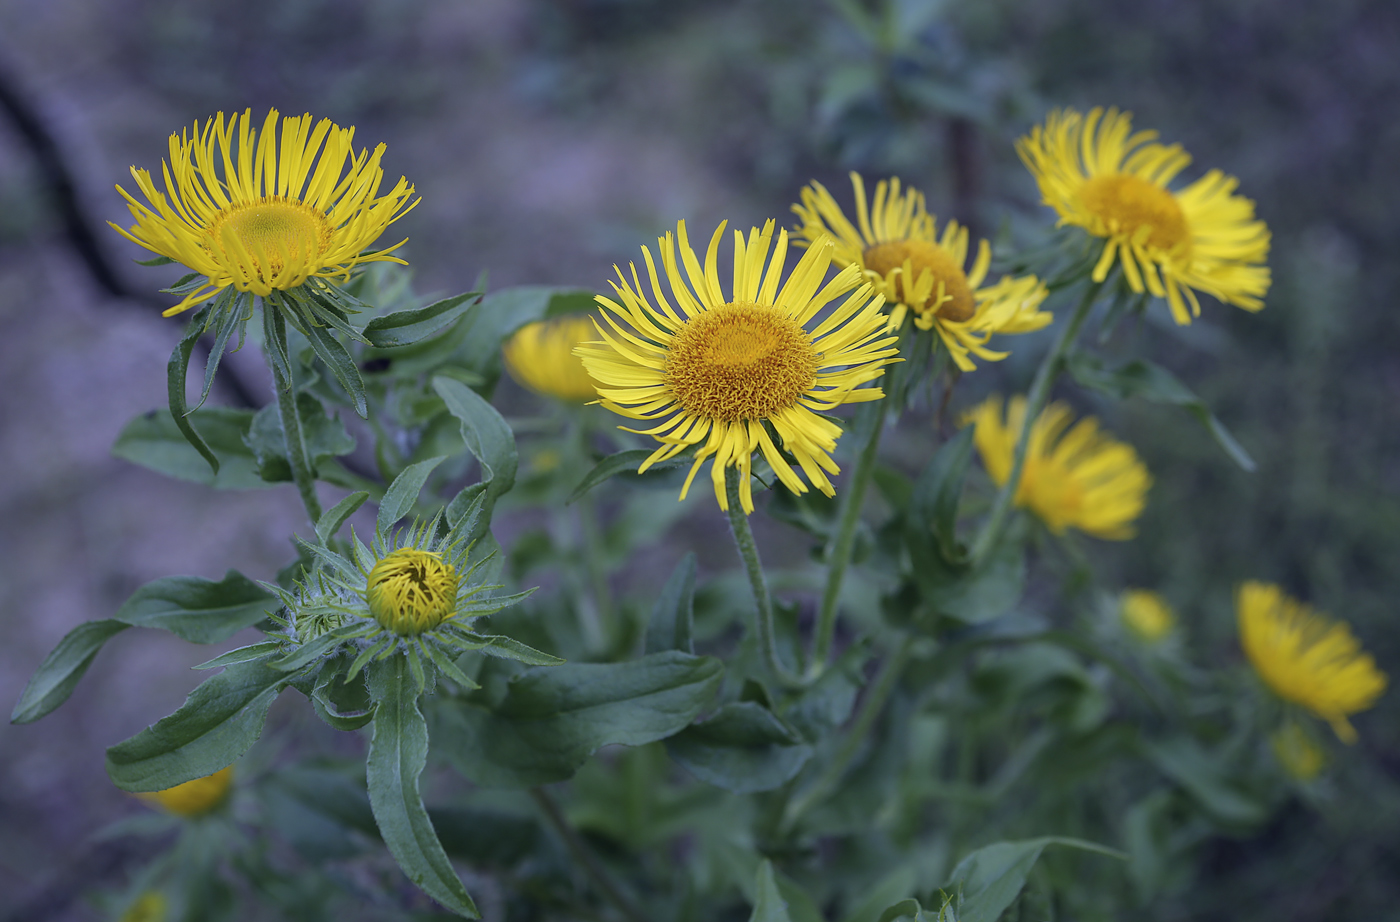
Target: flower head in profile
1100 175
194 798
731 375
1299 755
1074 477
540 356
1147 615
1305 657
896 245
242 209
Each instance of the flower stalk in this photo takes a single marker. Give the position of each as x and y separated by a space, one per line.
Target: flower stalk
748 552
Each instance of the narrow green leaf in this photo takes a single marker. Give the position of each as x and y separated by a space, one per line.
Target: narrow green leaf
398 751
220 721
403 328
938 489
1184 761
403 492
243 655
62 669
672 617
342 366
992 877
626 462
228 315
743 748
509 648
198 610
155 440
175 371
768 903
486 433
335 516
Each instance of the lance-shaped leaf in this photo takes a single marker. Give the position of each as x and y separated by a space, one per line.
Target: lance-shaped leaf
768 903
626 462
334 517
175 371
403 492
154 440
398 751
991 878
403 328
324 435
1141 378
198 610
220 721
743 748
62 669
1203 776
673 616
937 491
552 719
488 437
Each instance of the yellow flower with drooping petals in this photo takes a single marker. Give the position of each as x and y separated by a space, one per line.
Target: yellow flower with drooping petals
734 375
1147 614
242 209
1296 752
1080 478
1306 657
194 798
1100 175
540 356
899 250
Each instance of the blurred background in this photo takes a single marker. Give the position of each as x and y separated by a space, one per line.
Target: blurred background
548 139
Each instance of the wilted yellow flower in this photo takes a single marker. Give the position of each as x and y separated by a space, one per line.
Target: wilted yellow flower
1147 614
263 216
1305 657
410 591
720 370
150 906
900 252
1300 756
540 356
194 798
1113 183
1081 478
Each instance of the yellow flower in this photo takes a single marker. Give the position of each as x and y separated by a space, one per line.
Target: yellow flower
1300 756
410 591
150 906
730 375
1081 478
263 216
540 356
194 798
898 249
1305 657
1147 614
1113 183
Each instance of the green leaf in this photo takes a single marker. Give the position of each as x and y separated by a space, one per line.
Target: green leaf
1141 378
220 721
62 669
335 516
820 708
1203 777
744 748
398 751
155 261
325 437
403 492
508 647
991 878
154 440
625 462
768 903
909 909
198 610
895 885
488 437
962 592
175 371
673 616
337 358
937 491
403 328
551 720
228 309
243 654
343 705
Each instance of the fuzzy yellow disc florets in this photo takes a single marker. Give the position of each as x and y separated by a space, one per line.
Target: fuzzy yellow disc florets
264 237
411 591
949 279
740 361
1136 209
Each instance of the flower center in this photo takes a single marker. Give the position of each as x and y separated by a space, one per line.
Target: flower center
958 303
740 361
265 237
1128 204
411 591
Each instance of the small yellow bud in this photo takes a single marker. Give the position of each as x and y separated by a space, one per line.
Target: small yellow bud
194 798
1147 615
411 591
1300 756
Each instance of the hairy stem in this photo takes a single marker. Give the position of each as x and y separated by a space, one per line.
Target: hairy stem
748 552
1045 375
586 859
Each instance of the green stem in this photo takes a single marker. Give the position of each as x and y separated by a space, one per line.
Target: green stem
1045 375
839 553
748 552
870 710
589 862
284 382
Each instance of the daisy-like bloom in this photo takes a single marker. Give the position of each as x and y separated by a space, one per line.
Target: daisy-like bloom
732 375
1079 478
1296 752
1147 615
1100 175
194 798
897 247
407 593
1305 657
242 209
540 356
